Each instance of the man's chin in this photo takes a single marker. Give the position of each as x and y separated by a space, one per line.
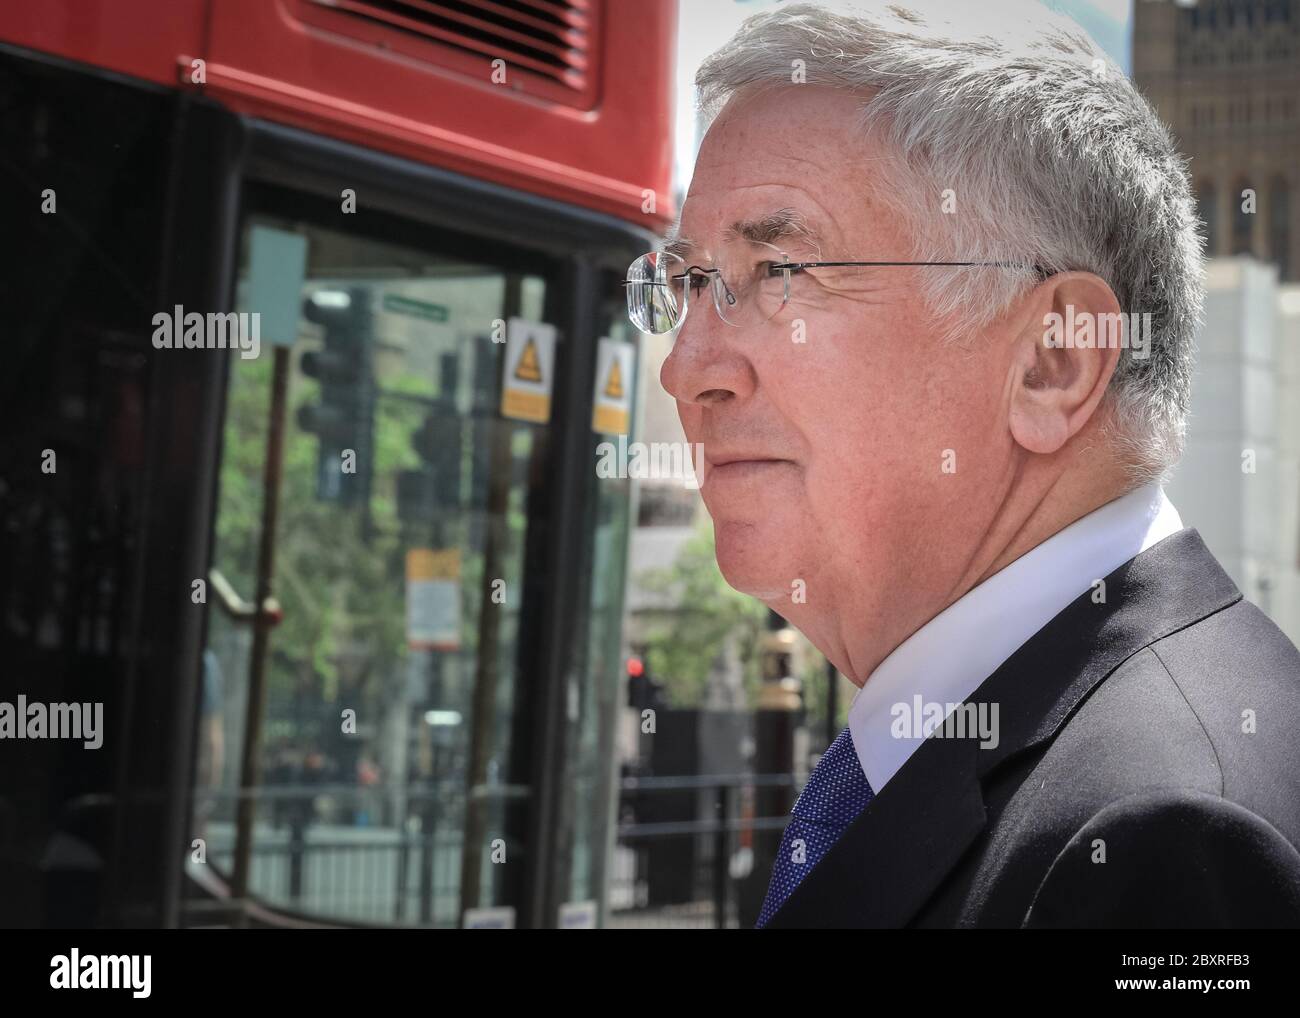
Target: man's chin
749 558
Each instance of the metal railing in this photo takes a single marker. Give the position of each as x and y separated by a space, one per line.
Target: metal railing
699 859
346 852
690 851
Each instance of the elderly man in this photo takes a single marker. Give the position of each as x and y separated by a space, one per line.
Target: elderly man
932 444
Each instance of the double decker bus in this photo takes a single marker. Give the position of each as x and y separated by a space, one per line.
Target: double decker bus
310 595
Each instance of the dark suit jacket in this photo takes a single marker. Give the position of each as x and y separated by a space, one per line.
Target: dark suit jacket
1126 734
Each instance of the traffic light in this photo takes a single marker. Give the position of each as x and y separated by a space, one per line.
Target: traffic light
642 689
439 442
343 420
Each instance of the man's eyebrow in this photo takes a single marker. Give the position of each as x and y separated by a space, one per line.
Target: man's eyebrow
772 227
678 245
765 229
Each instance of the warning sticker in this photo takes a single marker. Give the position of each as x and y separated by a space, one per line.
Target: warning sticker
433 598
612 406
529 371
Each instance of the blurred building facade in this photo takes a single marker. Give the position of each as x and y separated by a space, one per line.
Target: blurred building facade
1225 76
1239 479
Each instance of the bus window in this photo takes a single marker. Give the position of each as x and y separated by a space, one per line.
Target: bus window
390 738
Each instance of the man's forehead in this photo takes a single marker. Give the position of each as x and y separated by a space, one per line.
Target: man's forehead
754 182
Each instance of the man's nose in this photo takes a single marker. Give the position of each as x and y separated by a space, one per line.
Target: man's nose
706 365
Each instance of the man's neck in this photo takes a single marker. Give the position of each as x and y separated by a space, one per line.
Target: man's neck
1039 502
1047 511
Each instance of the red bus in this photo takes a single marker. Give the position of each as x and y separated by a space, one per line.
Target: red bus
318 620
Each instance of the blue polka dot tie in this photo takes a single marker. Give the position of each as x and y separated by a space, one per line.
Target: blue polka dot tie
837 791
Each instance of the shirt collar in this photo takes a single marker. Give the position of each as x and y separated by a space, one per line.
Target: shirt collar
948 658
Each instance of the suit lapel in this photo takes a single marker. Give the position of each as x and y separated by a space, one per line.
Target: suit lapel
912 834
1165 589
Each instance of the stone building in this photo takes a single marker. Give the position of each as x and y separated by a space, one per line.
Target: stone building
1225 75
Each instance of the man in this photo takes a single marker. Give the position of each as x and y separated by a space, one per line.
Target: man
942 463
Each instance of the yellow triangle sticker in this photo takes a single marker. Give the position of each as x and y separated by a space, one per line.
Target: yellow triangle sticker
528 369
611 410
614 384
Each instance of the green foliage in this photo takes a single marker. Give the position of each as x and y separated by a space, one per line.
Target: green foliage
341 584
681 652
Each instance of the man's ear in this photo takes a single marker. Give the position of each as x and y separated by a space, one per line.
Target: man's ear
1065 355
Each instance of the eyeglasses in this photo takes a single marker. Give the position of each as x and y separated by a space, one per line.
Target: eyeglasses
660 287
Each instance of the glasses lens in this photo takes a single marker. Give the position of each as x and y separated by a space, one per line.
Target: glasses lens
749 293
656 302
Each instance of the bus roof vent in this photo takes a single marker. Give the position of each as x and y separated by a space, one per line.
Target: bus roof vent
546 43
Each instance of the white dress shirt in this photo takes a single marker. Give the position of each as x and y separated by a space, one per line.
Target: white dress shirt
947 659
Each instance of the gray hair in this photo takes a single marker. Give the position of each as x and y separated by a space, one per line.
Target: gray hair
1053 156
